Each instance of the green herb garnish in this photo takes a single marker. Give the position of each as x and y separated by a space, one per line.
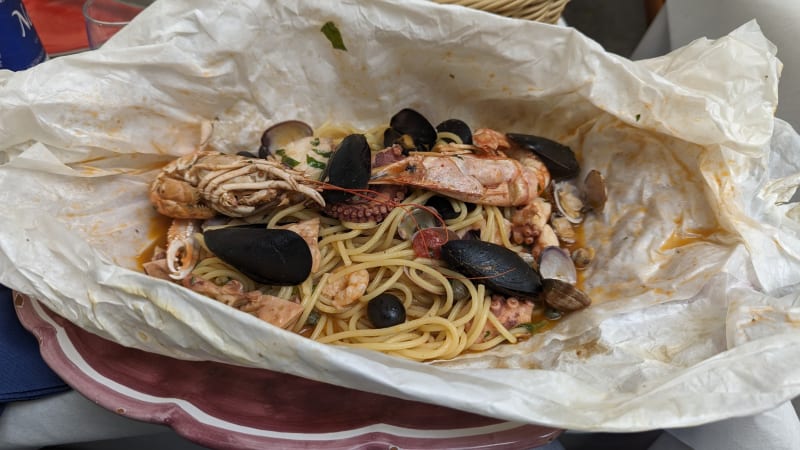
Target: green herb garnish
314 163
315 142
638 116
321 153
334 36
533 327
286 159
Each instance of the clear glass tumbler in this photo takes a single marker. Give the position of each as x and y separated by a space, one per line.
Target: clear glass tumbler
105 17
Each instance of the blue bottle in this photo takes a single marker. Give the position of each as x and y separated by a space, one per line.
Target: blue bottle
20 46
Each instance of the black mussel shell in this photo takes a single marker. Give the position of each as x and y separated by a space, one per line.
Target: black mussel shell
390 137
349 168
415 125
246 154
385 311
457 127
269 256
499 268
442 206
559 159
282 134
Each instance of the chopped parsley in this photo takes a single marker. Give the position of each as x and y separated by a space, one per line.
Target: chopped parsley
314 163
533 327
286 159
322 153
638 116
315 142
334 36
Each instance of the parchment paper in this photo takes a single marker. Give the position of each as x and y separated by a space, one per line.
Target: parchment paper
696 311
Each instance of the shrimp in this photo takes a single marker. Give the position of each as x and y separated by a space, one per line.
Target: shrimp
345 290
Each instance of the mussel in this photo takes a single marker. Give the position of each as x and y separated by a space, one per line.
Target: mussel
444 207
281 134
269 256
349 168
415 132
559 159
455 128
499 268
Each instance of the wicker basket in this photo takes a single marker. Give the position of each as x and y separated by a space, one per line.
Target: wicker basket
542 10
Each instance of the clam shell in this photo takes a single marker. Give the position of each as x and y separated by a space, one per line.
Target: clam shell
282 134
595 190
415 220
568 202
564 296
556 263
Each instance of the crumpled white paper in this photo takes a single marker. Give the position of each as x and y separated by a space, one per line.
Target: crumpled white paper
695 285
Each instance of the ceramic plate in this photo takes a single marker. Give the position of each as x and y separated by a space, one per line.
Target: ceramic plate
223 406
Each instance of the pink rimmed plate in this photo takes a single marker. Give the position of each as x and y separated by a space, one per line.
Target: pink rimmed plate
224 406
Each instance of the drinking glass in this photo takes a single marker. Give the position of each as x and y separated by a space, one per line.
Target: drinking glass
105 17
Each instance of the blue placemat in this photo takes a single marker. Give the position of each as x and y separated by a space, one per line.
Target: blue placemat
23 373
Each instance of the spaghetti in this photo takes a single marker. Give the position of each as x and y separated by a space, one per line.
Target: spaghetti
446 313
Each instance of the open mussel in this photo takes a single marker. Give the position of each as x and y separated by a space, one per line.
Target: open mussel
500 269
348 168
414 131
454 131
559 159
281 134
269 256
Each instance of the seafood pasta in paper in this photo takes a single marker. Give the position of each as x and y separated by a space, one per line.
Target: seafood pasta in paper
693 269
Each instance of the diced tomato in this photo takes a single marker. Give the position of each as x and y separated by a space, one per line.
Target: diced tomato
427 243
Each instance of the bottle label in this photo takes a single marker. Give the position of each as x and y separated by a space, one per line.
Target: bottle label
20 46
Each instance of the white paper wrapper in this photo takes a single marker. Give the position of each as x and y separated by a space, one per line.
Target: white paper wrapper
696 310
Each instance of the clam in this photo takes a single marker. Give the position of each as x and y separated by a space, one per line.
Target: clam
559 159
413 125
455 131
595 192
415 220
281 134
564 296
269 256
582 257
348 168
568 202
460 291
500 269
556 263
